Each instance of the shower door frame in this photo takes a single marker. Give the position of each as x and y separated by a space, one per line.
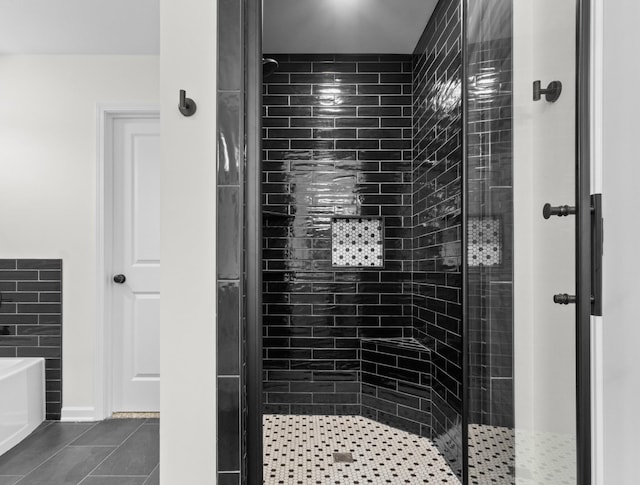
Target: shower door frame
252 422
584 259
253 240
583 240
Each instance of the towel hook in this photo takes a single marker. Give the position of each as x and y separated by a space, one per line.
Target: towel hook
187 106
551 94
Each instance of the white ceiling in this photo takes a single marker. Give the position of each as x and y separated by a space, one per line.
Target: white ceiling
344 26
79 26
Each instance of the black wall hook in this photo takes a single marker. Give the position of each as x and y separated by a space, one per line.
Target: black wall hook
187 106
551 94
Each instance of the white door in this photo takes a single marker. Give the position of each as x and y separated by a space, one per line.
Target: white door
135 281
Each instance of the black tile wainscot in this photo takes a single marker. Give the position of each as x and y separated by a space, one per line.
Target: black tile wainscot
31 319
437 218
337 142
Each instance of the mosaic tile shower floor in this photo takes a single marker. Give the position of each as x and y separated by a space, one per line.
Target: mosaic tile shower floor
299 450
544 458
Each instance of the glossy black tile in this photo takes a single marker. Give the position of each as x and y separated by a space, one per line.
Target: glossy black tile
229 136
380 89
309 78
229 424
228 328
230 45
288 111
335 66
288 89
380 67
229 478
228 232
290 67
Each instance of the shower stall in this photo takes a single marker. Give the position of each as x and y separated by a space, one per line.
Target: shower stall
418 265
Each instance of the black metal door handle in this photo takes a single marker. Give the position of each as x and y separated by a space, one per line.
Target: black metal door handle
597 235
564 299
119 278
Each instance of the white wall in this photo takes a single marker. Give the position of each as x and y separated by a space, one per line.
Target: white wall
621 201
48 181
188 305
544 171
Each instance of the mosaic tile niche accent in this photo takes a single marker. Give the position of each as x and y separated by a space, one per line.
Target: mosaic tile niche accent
356 242
485 241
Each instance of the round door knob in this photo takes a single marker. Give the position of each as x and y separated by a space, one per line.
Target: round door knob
119 278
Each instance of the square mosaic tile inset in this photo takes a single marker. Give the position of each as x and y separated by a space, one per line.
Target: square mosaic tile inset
485 241
356 242
302 450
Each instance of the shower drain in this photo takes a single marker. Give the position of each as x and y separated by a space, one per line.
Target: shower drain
343 458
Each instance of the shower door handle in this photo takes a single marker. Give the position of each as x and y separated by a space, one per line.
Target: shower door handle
597 242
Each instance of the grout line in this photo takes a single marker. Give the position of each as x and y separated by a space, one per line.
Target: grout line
121 476
58 451
150 474
111 454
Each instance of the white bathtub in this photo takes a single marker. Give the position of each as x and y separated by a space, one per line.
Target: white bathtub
22 399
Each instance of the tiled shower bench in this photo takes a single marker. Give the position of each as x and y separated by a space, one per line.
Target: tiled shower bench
396 383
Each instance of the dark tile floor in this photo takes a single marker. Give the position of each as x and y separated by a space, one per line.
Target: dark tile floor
112 452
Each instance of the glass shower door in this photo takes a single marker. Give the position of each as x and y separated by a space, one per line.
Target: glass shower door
521 172
544 45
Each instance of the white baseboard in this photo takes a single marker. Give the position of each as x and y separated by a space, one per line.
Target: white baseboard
78 413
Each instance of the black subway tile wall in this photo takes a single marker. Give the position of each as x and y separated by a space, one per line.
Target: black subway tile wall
337 142
365 136
437 217
230 178
31 319
490 198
